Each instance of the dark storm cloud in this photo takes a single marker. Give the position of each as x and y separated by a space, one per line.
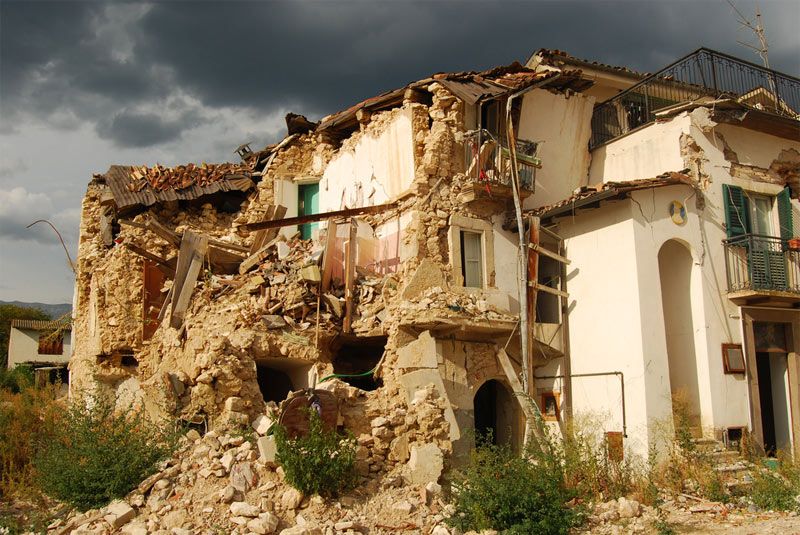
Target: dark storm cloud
144 129
93 61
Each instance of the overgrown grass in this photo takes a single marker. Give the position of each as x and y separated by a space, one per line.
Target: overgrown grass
322 462
91 454
22 421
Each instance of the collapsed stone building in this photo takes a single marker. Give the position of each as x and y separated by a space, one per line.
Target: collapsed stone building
377 255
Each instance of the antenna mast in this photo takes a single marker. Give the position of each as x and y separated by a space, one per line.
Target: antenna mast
758 29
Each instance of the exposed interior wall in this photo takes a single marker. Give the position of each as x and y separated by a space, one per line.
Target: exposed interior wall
374 167
562 126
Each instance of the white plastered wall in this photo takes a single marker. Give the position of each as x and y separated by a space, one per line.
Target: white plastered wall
378 167
562 126
23 346
644 154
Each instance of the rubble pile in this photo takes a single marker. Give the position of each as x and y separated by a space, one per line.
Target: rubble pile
225 483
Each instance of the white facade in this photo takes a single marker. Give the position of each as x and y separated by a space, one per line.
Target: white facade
23 348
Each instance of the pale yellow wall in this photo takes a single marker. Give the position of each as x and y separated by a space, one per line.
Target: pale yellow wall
23 346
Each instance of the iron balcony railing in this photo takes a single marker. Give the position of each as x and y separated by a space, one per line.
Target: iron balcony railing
488 159
703 73
762 263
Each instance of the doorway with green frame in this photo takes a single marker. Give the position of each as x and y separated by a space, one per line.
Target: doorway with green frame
308 204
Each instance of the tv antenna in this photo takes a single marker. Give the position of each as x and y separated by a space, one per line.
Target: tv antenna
758 29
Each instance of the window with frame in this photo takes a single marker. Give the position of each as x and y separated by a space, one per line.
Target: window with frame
550 406
472 258
733 358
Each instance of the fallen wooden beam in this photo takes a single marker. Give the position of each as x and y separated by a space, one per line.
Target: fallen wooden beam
327 256
533 416
349 277
312 218
164 264
256 258
190 261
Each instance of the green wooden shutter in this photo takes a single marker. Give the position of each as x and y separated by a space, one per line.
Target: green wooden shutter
785 214
737 213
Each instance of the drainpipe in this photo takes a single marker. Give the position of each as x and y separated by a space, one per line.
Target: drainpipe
524 321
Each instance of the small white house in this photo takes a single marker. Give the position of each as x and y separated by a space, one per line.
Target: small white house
44 345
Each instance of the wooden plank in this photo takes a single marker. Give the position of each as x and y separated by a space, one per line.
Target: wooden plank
259 237
312 218
548 253
190 261
225 261
349 277
165 305
166 267
256 258
542 288
533 277
280 212
327 256
533 414
165 233
227 245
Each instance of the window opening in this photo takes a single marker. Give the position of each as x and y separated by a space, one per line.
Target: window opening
275 384
548 306
51 344
354 358
550 406
761 214
471 259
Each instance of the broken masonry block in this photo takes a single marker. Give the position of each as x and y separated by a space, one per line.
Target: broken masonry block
311 274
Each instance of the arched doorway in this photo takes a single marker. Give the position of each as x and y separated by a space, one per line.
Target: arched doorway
675 266
495 413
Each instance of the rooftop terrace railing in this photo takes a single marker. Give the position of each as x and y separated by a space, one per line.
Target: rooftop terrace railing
703 73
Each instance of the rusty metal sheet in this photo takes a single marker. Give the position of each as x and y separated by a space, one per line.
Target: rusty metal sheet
294 416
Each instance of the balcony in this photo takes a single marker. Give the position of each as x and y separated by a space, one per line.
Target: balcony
488 167
702 74
762 270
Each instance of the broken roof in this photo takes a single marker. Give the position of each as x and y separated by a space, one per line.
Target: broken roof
559 58
469 86
590 196
131 186
42 325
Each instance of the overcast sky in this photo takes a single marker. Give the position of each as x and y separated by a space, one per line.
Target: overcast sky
86 85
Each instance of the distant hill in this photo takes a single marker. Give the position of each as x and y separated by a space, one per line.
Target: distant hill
55 311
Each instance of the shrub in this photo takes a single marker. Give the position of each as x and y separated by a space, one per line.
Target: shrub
504 491
93 454
773 491
22 420
17 379
322 462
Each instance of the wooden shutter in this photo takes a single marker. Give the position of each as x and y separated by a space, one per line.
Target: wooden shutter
784 201
737 213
